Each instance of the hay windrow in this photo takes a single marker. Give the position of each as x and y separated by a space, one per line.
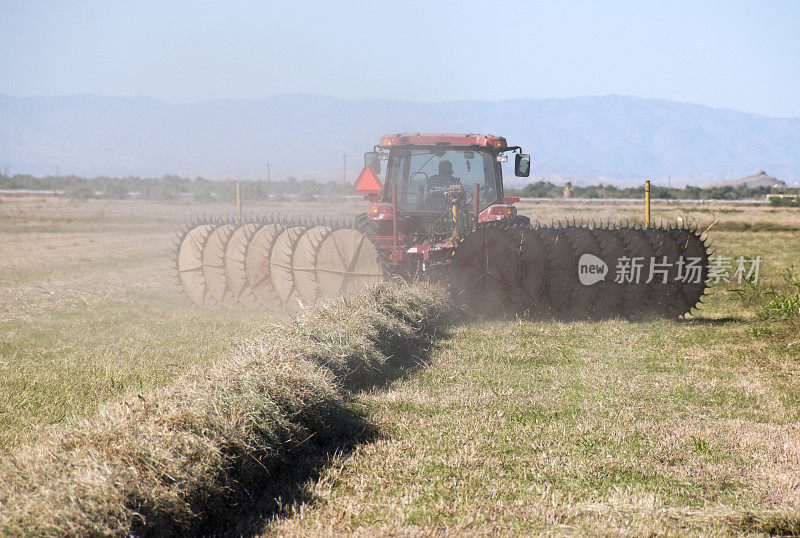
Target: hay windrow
170 461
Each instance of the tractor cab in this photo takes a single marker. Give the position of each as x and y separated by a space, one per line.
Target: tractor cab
438 183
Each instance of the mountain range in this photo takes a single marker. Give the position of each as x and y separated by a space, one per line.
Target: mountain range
612 138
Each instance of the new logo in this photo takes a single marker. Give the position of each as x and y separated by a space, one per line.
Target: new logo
591 269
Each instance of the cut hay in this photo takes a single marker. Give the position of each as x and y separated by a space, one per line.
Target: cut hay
196 452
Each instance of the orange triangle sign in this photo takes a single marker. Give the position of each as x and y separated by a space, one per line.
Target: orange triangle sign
368 182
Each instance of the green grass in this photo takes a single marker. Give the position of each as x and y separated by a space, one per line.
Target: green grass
543 426
63 365
587 428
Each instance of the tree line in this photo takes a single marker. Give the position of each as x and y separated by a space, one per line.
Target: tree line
171 187
546 189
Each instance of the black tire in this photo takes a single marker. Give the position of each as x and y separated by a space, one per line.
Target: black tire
520 221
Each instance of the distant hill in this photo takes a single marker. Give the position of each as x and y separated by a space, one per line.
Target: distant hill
621 138
761 179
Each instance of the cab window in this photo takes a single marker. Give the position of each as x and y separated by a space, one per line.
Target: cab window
422 176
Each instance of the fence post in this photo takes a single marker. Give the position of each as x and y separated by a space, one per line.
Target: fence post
238 202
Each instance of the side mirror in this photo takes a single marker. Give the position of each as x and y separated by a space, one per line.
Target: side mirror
522 165
372 159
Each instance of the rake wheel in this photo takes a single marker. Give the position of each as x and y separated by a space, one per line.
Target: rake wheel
189 263
346 262
530 269
667 296
257 264
581 241
280 267
636 295
235 266
483 270
561 270
214 265
303 266
691 245
607 301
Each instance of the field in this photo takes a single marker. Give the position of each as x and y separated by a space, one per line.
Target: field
513 426
90 309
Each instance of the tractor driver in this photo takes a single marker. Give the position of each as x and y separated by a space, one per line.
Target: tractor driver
444 178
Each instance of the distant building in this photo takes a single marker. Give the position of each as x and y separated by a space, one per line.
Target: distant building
761 179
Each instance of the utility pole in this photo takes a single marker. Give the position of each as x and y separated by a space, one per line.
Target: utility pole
669 181
58 171
269 172
344 169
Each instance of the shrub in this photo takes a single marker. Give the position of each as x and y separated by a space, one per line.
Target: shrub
159 192
203 197
81 192
784 202
116 191
783 304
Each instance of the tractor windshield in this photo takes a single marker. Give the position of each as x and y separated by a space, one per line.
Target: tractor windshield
422 176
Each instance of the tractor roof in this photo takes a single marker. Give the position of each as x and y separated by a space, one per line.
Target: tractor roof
444 139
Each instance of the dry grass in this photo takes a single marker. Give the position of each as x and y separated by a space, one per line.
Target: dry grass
704 214
560 428
193 452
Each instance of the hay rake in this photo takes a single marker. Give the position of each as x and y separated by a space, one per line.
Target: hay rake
456 230
499 268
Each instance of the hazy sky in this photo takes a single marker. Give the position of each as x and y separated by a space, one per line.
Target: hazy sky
743 55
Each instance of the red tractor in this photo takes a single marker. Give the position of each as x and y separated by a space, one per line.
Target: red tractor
438 188
441 216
